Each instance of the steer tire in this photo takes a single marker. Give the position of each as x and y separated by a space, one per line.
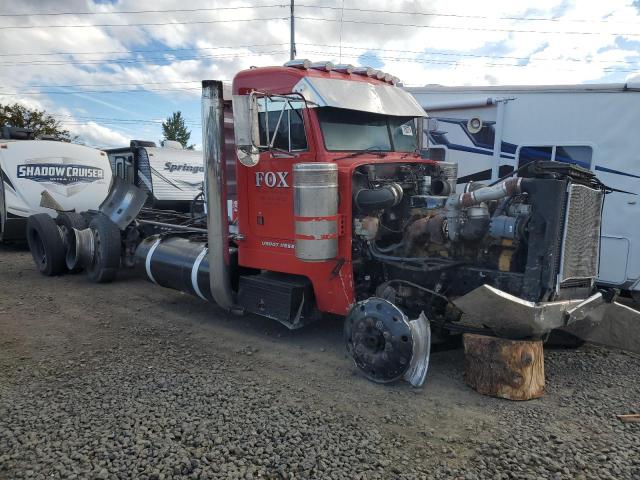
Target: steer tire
46 244
106 256
67 221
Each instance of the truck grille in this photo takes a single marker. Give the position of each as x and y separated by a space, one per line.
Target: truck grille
581 244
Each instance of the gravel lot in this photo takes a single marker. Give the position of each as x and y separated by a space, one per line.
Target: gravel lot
130 380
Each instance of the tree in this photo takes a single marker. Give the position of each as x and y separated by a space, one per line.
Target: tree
39 121
175 129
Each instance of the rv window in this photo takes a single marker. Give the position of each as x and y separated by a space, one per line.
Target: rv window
577 155
532 154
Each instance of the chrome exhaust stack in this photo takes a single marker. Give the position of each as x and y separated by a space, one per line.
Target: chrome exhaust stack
215 192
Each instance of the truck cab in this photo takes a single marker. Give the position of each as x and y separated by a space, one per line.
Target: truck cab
314 114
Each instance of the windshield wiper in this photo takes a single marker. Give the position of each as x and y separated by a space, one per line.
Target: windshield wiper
373 150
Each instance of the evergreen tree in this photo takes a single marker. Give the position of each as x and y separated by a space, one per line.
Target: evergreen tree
175 129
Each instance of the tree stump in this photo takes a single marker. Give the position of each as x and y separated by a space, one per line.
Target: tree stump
512 369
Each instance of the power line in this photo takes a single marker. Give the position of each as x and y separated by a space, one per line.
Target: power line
476 29
472 55
298 43
275 52
111 84
198 22
172 10
125 61
457 15
457 64
168 50
73 92
111 119
325 7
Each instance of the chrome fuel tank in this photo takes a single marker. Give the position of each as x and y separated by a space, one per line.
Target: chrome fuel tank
315 206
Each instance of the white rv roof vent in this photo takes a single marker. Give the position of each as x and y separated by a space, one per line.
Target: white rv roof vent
172 144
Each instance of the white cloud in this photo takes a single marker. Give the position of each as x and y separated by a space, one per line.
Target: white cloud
99 136
400 49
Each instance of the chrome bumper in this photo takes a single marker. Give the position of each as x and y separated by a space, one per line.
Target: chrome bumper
592 319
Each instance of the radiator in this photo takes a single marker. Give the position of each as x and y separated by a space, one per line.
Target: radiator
581 240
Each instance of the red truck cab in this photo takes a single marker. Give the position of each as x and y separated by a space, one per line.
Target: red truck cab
330 116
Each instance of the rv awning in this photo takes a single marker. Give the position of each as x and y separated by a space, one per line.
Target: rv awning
363 96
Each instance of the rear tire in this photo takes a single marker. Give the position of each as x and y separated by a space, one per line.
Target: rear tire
107 248
46 244
635 296
67 221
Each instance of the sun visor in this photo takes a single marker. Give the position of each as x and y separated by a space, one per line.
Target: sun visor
363 96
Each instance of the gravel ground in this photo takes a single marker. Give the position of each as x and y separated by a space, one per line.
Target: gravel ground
130 380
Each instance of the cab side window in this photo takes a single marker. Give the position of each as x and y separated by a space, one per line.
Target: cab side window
282 124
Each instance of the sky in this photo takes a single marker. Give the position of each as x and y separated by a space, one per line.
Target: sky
111 71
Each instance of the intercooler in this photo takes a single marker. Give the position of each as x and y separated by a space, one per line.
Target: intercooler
581 238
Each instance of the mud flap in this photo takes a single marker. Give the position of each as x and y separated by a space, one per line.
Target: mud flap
385 345
123 203
612 325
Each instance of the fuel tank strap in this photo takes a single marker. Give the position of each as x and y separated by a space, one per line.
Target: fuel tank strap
194 273
147 262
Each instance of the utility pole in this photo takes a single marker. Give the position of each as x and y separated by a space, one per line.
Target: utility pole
292 52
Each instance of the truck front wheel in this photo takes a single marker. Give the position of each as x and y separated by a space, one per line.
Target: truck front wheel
46 244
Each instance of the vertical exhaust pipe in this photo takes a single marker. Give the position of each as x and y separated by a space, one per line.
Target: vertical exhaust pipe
216 193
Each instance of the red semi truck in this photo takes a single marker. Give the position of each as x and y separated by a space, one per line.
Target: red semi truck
320 203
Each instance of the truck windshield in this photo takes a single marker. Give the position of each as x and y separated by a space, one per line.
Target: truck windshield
352 130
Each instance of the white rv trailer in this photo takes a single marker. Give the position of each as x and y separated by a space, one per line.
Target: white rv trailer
172 176
72 177
491 131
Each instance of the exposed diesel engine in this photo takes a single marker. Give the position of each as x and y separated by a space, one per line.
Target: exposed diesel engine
420 244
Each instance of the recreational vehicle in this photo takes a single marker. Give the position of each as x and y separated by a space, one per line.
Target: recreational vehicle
494 130
171 175
42 176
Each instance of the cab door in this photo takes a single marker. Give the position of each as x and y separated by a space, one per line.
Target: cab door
283 132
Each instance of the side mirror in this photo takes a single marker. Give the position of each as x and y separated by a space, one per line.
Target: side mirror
246 129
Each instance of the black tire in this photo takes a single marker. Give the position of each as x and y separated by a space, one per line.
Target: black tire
106 257
635 296
67 221
46 244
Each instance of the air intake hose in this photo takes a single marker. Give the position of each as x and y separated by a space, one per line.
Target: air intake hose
371 199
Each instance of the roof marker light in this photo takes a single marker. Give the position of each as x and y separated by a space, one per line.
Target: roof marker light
301 63
344 68
380 75
368 71
388 78
326 66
